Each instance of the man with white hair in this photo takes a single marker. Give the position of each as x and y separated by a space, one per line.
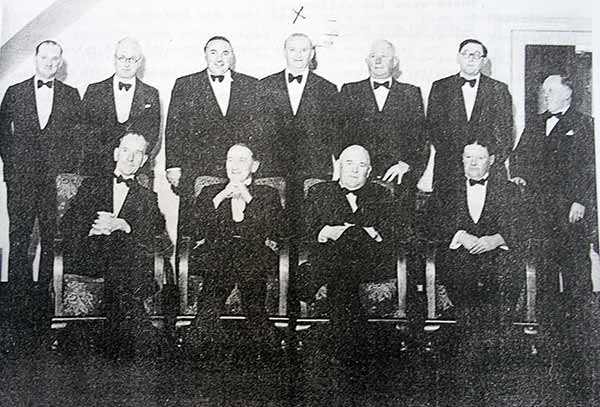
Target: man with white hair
387 117
354 224
119 104
110 230
554 163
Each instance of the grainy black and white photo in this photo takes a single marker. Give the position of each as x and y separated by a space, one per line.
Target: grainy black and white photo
299 203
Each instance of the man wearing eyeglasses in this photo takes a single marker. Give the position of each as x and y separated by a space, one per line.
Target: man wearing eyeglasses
117 105
462 107
38 131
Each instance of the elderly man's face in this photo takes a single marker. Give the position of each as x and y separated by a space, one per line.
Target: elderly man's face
128 59
298 53
47 61
240 164
381 60
130 155
471 59
219 57
355 167
556 95
476 161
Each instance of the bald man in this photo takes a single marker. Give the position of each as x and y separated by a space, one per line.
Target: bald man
352 223
116 106
298 116
387 117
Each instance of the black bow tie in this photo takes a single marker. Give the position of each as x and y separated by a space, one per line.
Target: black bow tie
41 83
124 85
481 181
219 77
378 84
292 78
548 115
130 182
471 82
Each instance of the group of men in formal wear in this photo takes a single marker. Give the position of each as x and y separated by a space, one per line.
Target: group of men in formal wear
294 124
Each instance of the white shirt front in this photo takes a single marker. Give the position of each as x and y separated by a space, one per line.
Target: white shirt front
120 191
123 98
44 97
551 122
222 90
469 95
476 200
381 93
295 89
371 231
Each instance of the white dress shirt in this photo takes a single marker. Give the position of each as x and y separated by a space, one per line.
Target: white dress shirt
295 89
44 97
381 93
469 95
120 191
551 122
238 205
371 231
222 90
123 98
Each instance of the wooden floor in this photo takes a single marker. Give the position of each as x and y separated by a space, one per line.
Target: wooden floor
392 370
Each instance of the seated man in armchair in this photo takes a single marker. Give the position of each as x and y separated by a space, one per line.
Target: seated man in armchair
233 223
475 222
109 231
355 225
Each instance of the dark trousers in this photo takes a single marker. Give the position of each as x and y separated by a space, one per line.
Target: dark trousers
31 198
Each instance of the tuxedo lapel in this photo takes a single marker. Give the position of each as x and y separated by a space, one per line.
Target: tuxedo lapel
480 99
368 99
283 91
210 99
457 101
31 103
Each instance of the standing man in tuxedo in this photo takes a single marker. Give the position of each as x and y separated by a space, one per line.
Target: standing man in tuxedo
554 162
298 116
387 117
464 106
299 132
119 104
109 231
475 220
38 140
209 111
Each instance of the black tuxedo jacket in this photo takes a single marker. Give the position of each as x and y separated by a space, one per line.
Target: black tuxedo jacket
326 204
300 146
263 216
558 168
197 135
28 150
394 134
448 127
140 210
103 130
449 212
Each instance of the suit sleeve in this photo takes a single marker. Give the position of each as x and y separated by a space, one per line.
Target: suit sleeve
6 123
435 114
417 148
177 122
504 127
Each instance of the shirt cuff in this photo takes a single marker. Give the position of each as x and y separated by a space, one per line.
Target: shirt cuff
455 244
373 233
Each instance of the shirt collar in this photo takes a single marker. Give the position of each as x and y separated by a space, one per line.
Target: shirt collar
37 78
389 79
486 177
226 77
477 77
303 73
117 174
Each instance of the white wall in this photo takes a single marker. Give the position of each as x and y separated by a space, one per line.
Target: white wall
426 34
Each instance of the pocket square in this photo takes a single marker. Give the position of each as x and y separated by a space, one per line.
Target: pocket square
570 133
147 105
